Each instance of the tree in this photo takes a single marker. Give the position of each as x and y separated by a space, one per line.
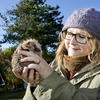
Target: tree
34 19
6 69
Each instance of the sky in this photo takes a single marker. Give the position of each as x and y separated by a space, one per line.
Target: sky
66 8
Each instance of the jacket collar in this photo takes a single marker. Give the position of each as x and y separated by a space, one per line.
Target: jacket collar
87 72
87 68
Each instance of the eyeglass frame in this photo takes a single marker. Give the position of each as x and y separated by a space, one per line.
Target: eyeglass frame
87 38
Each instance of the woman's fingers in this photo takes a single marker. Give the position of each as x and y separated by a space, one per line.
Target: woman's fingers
37 63
26 53
25 74
16 73
34 77
33 66
31 76
38 78
43 68
31 59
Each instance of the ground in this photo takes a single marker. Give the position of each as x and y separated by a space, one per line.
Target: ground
12 94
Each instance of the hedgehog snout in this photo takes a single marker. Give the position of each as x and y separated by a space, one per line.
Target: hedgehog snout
37 49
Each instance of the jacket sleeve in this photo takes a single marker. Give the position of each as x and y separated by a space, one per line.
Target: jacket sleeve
55 87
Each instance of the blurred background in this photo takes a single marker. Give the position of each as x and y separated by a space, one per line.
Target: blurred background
24 19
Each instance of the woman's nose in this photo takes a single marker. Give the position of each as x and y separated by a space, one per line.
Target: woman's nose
73 40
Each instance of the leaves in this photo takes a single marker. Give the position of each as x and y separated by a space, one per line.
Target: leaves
34 19
30 19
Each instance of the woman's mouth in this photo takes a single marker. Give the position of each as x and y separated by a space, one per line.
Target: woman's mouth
75 48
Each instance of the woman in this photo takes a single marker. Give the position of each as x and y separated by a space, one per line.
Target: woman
75 72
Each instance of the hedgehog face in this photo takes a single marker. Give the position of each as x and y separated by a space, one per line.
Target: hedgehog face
34 47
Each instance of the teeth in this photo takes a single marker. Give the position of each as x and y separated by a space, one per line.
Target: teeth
73 47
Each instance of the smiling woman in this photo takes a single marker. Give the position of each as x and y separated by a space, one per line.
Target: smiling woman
66 7
78 43
75 72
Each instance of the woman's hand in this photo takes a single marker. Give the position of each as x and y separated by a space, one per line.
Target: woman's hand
40 65
29 76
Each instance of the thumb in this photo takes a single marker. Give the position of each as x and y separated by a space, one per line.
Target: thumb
33 66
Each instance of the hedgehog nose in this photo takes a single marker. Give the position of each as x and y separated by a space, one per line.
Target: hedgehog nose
37 49
26 49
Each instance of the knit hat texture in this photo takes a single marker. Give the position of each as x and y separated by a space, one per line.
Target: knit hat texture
87 19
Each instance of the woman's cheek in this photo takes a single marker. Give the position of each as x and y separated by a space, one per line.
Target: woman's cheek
66 44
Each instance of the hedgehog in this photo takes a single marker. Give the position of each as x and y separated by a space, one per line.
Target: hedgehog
31 45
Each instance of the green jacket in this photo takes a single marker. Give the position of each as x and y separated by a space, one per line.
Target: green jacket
85 85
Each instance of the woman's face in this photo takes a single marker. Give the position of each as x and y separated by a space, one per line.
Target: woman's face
77 45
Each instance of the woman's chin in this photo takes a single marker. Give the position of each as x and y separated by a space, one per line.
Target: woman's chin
74 52
73 55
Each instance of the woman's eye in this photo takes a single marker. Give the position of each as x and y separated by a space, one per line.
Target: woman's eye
82 36
68 33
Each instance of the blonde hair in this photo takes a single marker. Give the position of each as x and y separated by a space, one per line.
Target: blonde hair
94 56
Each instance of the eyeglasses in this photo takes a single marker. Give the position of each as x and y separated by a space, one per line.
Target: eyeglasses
82 39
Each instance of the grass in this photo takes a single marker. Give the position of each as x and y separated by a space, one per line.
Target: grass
11 94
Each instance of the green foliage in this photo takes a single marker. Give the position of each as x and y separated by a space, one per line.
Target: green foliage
30 19
34 19
5 58
6 70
